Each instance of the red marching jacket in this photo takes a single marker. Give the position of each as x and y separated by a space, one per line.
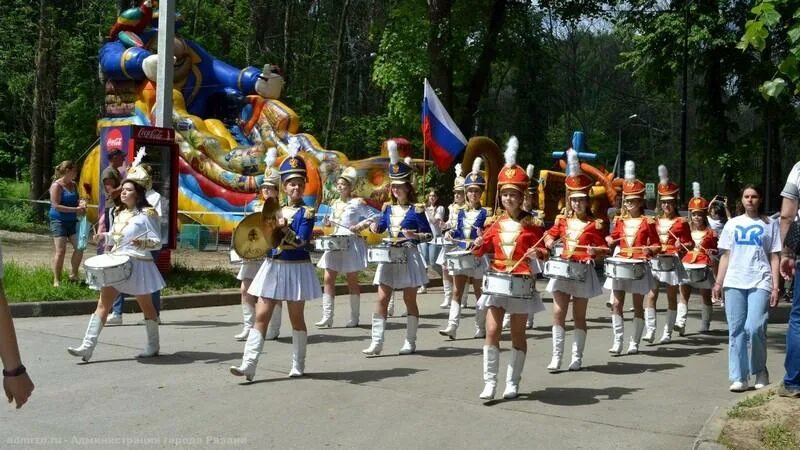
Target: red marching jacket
670 229
631 243
510 239
703 240
591 234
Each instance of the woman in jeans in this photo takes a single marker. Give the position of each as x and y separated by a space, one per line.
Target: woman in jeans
748 279
430 250
65 206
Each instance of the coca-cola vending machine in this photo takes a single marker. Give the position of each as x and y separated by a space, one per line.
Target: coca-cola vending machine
161 154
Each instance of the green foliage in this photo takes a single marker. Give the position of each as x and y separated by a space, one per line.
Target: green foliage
743 409
779 437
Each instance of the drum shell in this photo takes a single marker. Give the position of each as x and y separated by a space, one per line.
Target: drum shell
386 255
624 269
332 243
461 260
663 263
107 270
508 285
563 269
696 273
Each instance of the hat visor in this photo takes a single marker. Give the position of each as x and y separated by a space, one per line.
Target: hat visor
578 194
400 181
477 187
290 176
703 210
635 195
667 197
515 187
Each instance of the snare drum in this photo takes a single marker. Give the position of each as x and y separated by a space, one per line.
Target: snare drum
695 273
333 243
558 249
460 260
508 285
625 268
439 240
563 269
385 254
107 269
663 263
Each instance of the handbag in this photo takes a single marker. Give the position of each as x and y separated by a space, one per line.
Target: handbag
83 232
792 241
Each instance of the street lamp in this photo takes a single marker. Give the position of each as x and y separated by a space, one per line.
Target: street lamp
618 162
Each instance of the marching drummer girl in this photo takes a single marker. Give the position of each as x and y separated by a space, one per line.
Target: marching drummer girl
637 239
514 237
134 233
350 216
248 269
286 274
458 204
407 226
583 237
705 245
675 238
469 225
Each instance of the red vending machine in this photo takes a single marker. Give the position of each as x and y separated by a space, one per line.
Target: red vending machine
161 154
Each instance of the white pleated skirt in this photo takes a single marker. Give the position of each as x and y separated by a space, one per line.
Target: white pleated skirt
671 278
403 275
354 259
475 273
445 248
248 270
707 284
293 281
588 288
643 286
145 279
512 305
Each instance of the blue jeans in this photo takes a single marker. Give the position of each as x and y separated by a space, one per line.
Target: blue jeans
792 363
156 296
746 311
429 253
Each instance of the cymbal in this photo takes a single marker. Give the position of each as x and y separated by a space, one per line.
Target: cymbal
249 238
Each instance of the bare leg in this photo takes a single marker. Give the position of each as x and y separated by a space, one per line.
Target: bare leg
75 259
58 259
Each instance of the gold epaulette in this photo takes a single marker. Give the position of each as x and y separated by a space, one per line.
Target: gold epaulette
385 206
651 220
150 212
560 216
489 220
419 208
531 220
598 223
488 211
310 213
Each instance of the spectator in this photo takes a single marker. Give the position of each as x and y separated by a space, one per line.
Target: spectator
16 382
791 195
65 206
748 273
111 179
718 213
430 250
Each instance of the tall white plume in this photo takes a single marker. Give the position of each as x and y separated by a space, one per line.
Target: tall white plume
695 189
394 156
530 171
459 170
294 146
139 156
510 154
663 174
630 171
272 156
573 165
407 160
476 165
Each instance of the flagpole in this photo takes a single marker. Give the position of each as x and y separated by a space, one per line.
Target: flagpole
424 151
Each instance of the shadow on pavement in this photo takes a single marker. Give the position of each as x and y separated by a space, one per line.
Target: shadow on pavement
364 376
623 368
671 352
449 352
334 338
190 357
577 396
200 324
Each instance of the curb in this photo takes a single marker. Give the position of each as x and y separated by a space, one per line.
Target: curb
712 429
223 297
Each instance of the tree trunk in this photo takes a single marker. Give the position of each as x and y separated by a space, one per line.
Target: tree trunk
337 60
480 77
43 111
438 54
286 16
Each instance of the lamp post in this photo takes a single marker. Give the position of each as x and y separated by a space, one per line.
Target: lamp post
618 163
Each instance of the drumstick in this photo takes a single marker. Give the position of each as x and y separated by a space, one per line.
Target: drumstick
682 245
526 254
128 241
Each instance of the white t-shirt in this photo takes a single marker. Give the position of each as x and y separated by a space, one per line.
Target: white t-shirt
749 243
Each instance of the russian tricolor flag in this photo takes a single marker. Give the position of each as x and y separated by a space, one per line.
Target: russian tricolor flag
440 134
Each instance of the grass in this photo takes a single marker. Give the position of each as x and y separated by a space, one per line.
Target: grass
742 410
34 284
778 436
16 214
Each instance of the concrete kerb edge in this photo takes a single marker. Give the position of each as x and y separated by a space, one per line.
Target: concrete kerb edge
222 297
712 429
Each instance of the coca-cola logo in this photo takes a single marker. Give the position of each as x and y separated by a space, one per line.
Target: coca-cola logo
155 134
114 140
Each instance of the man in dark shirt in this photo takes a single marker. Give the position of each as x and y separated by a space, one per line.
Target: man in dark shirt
112 183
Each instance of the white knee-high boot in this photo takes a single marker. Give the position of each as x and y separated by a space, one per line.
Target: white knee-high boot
705 318
452 321
514 373
447 287
491 364
299 340
578 345
153 344
650 322
680 321
480 323
529 322
375 347
274 327
248 317
558 348
410 345
666 338
618 326
355 310
638 327
327 312
86 348
252 351
506 321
